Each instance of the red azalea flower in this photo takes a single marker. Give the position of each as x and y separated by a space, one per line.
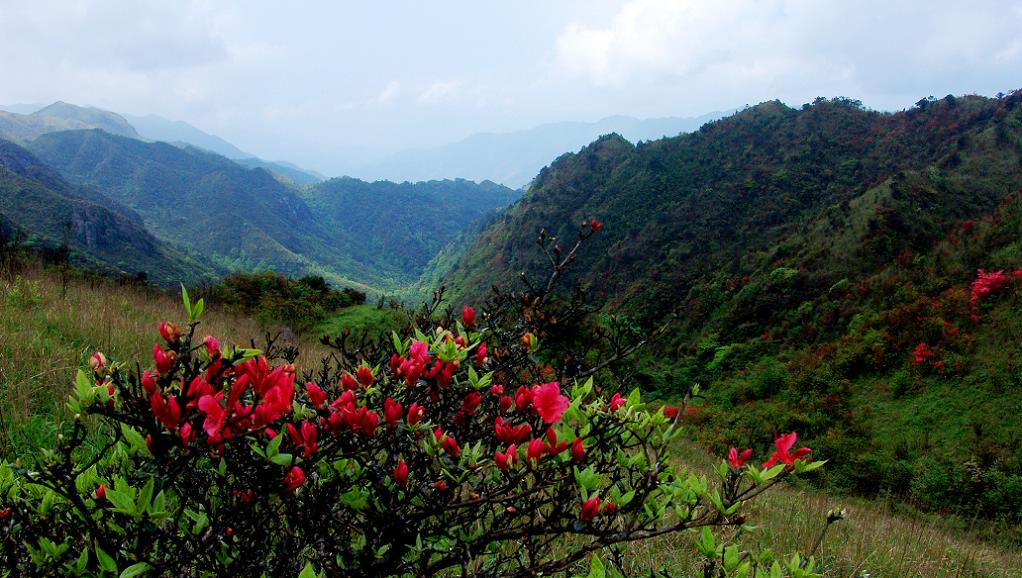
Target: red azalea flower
481 354
401 474
101 493
609 508
548 401
468 316
365 376
392 412
510 434
169 332
506 403
523 398
784 444
738 460
578 450
293 480
212 346
309 433
616 401
471 403
187 434
451 446
418 352
348 382
148 383
164 359
528 341
590 509
506 459
209 406
167 412
497 390
595 225
553 446
670 412
316 395
535 451
97 362
415 413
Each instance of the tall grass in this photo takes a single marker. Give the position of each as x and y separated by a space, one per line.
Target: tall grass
878 539
46 333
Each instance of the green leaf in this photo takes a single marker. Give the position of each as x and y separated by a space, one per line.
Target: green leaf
144 497
706 544
802 467
308 572
273 448
187 302
136 570
135 440
198 309
121 500
634 398
596 568
282 459
398 344
731 558
105 561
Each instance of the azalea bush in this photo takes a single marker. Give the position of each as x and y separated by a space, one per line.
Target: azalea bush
438 452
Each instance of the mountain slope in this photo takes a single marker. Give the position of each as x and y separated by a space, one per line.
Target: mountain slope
824 265
514 158
403 225
240 218
40 202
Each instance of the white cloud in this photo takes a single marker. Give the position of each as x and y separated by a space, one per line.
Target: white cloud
389 92
794 48
439 91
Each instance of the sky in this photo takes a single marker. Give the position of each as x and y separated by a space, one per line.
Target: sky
328 83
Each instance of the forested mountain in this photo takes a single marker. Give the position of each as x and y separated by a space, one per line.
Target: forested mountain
823 262
402 226
100 233
514 158
374 236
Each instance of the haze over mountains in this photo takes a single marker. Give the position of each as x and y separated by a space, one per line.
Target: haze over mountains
514 158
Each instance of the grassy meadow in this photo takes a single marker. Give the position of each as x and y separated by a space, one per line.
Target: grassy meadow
48 330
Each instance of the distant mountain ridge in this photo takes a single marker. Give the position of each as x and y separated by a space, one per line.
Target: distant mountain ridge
514 158
61 116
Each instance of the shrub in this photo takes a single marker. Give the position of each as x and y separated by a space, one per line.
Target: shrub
443 454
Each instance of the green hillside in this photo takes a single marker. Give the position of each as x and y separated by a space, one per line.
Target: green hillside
402 226
808 253
50 211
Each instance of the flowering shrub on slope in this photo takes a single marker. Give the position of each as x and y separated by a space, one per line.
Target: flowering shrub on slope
438 456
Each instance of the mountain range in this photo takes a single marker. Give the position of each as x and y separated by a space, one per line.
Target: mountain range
245 219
